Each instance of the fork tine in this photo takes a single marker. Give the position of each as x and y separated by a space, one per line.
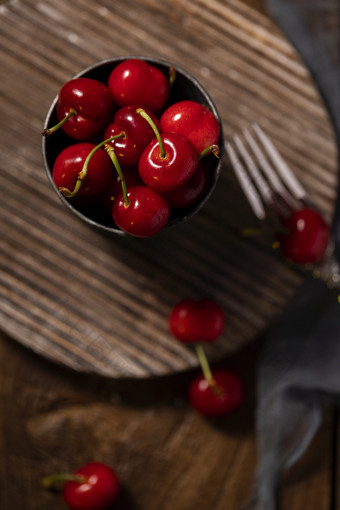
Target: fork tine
245 183
287 175
262 186
268 170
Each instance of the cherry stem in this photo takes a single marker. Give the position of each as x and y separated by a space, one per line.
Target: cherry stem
147 117
49 131
111 152
204 363
212 148
256 231
215 387
83 172
172 76
48 481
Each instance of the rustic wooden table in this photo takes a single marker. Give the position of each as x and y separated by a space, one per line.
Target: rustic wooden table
64 399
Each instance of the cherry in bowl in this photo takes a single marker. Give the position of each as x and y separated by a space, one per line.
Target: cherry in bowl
183 88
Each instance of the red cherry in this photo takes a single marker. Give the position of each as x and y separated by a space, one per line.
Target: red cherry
307 238
94 486
138 211
145 215
192 120
219 396
192 190
98 491
70 162
137 134
131 177
84 108
165 173
134 81
196 320
168 161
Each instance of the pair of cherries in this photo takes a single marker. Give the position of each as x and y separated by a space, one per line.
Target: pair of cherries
216 392
155 148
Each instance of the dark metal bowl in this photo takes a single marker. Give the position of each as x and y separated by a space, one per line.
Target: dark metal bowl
185 87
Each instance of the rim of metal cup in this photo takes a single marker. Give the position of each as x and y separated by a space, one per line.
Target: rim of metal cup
177 217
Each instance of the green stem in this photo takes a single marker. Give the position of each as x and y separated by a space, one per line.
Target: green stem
82 174
147 117
172 76
215 387
212 148
110 150
48 481
49 131
204 363
256 231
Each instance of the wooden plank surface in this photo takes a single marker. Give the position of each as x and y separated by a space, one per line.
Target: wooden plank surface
98 304
192 462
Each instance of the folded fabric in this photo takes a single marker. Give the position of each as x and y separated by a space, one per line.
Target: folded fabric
300 364
298 369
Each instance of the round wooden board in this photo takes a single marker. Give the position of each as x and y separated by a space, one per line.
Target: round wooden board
100 304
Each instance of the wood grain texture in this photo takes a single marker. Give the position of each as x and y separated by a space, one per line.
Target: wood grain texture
165 454
100 304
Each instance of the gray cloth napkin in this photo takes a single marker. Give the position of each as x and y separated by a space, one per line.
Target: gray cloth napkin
299 369
300 364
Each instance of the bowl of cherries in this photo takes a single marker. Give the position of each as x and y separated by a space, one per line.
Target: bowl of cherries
131 145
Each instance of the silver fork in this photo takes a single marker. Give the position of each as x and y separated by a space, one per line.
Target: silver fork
273 190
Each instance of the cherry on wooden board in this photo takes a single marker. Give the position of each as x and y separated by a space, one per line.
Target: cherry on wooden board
220 395
200 320
94 486
307 236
